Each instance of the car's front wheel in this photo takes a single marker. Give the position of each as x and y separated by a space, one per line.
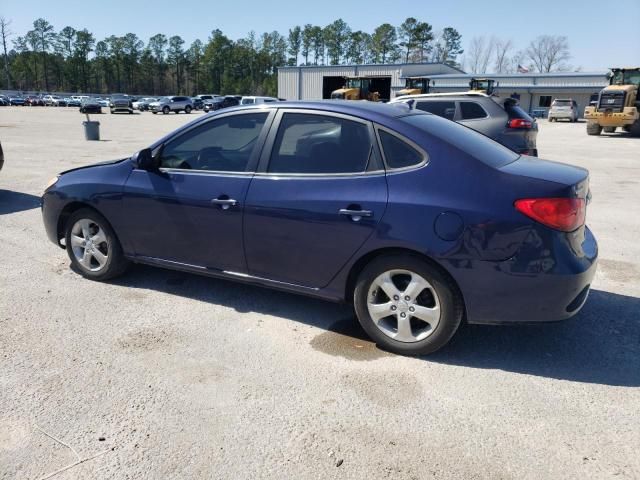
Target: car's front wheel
93 247
407 305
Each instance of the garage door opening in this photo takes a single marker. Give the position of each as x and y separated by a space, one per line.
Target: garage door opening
329 84
382 85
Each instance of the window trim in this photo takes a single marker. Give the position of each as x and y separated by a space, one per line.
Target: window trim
425 156
462 119
267 150
252 165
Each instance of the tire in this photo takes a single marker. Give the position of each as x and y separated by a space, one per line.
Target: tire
437 298
609 129
155 113
593 129
111 110
130 112
166 110
551 120
105 259
634 129
187 109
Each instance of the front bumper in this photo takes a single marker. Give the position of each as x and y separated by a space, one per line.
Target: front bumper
628 116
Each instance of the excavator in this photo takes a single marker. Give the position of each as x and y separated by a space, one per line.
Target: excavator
618 104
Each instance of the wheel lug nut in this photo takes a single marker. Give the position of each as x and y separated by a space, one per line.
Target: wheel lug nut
396 297
403 315
393 307
411 309
407 298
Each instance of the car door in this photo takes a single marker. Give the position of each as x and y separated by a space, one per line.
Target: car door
190 210
319 194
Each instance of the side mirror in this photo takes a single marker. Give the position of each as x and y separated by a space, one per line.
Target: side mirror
145 161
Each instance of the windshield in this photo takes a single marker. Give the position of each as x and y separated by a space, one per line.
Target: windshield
416 83
465 139
627 77
562 103
354 83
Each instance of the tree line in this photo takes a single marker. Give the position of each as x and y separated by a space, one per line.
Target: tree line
73 60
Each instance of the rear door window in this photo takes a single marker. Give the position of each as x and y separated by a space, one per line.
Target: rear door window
319 144
446 109
471 111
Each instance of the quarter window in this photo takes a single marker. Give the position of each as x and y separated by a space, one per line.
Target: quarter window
398 153
319 144
471 110
223 145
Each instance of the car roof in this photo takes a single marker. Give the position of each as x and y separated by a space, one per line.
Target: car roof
374 111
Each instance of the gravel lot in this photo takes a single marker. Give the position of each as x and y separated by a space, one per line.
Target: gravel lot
169 375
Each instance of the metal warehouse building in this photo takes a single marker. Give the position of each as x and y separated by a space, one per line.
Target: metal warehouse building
535 91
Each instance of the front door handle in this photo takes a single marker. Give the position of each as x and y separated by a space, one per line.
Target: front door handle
224 202
356 215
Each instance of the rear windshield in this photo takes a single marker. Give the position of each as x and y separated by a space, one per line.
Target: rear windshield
561 103
515 111
469 141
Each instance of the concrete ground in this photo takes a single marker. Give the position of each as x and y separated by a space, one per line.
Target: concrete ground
174 376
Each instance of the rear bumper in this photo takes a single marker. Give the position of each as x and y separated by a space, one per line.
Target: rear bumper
539 284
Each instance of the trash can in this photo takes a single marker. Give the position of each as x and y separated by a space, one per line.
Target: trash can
91 130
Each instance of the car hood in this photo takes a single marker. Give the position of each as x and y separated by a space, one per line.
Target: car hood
99 164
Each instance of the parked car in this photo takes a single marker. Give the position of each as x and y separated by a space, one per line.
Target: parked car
4 101
378 205
120 103
34 101
142 104
104 102
73 102
501 119
16 100
198 103
172 104
90 105
251 100
54 101
218 103
566 108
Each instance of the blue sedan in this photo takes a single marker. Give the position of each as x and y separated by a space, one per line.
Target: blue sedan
421 223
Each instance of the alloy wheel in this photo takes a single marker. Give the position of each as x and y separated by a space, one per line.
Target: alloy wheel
403 305
89 245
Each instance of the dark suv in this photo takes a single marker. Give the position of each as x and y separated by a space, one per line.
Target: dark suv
501 119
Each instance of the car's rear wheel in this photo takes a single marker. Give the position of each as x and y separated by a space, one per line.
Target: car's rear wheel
187 109
593 129
93 247
166 110
407 305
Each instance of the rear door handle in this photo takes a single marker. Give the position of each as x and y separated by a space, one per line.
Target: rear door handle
224 202
356 215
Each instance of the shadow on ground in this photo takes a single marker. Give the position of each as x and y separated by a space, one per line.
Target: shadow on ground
11 202
600 345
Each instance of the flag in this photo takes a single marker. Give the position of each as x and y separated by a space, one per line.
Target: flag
522 69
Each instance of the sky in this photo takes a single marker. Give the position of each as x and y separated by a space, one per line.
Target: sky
594 30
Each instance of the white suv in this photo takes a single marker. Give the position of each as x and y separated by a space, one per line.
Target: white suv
253 100
566 108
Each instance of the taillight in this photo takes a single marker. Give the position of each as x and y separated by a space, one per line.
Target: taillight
565 214
519 123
